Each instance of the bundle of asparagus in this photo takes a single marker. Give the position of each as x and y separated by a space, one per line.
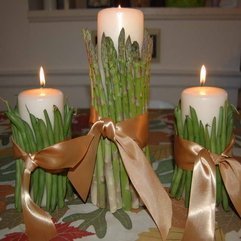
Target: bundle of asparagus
119 90
47 189
215 141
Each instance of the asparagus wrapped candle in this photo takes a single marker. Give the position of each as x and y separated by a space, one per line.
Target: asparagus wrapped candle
119 89
204 117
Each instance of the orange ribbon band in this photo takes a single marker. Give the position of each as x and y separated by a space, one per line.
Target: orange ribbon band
200 225
79 156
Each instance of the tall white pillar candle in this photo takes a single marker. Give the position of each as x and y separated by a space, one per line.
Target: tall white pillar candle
36 101
111 20
205 100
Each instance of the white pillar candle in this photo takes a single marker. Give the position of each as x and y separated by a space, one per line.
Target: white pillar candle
205 100
36 101
111 20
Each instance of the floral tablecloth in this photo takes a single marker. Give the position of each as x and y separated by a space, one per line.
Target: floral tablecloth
86 222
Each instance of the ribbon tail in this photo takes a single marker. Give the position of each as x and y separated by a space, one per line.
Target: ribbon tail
39 225
146 183
200 225
81 175
231 175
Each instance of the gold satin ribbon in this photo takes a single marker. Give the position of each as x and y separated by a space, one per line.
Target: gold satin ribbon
57 157
79 156
200 225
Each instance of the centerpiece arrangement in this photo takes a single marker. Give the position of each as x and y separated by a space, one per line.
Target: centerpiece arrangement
111 161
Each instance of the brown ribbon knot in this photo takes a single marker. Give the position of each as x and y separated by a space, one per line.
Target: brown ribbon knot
78 155
200 225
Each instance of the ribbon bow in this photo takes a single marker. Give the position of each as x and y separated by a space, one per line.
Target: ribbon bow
79 156
200 223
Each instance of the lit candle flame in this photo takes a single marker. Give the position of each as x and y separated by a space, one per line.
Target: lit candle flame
119 6
202 75
41 77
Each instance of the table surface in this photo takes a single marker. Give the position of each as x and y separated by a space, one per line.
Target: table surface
72 224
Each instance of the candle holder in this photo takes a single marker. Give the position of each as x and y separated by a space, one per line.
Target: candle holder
214 138
47 189
119 90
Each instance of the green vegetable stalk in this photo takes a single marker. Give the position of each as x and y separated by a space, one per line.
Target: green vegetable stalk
119 90
47 189
215 141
